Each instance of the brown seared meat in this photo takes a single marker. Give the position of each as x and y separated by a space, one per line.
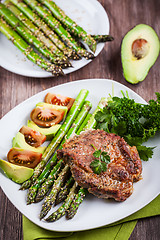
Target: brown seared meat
124 168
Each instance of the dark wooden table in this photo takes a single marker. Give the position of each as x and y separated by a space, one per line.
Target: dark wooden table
123 15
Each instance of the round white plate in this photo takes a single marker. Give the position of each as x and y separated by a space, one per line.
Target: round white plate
93 212
87 13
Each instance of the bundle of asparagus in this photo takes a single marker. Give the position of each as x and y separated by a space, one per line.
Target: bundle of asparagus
53 176
48 29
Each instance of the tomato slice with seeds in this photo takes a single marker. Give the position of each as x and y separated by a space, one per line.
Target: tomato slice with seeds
46 117
24 157
32 137
58 99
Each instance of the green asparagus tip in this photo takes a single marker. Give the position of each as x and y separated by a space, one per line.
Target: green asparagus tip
89 55
56 70
50 219
25 185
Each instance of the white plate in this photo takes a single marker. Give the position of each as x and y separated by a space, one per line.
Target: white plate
88 13
93 212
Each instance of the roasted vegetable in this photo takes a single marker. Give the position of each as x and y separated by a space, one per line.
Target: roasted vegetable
58 28
71 26
60 57
46 29
26 49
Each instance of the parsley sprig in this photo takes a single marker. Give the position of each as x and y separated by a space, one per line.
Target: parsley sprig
101 160
135 122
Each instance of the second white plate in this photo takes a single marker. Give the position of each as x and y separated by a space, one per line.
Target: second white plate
87 13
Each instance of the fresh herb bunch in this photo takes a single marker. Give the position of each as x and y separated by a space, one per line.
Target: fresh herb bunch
101 160
135 122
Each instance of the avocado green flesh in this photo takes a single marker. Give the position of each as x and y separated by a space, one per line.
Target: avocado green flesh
16 173
49 132
135 70
19 141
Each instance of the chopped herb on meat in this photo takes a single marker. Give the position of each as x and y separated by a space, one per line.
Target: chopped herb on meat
99 164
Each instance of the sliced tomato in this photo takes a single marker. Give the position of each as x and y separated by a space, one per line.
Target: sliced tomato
32 137
58 99
23 157
46 117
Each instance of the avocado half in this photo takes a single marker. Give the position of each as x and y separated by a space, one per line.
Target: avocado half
49 132
139 51
16 173
19 141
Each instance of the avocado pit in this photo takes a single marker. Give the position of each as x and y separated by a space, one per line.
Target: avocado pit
140 48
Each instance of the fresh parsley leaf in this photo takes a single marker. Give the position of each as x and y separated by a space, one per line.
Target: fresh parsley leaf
100 163
97 154
98 166
135 122
145 152
105 157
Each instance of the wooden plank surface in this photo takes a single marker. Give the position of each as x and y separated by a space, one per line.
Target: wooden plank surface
14 89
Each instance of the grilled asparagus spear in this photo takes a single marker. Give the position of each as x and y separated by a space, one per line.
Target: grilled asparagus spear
26 49
102 38
81 128
78 199
50 199
60 58
26 33
46 29
72 210
33 189
71 26
62 209
64 191
58 28
49 181
77 105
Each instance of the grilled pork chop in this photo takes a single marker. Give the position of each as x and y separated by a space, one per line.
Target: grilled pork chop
124 168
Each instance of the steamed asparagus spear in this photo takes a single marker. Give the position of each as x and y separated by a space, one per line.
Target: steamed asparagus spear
58 28
46 29
71 26
60 58
25 33
50 199
48 182
26 49
77 105
62 209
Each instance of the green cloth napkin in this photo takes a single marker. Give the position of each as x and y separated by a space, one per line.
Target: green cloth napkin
120 230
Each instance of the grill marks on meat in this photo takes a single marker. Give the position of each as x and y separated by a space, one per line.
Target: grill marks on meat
124 168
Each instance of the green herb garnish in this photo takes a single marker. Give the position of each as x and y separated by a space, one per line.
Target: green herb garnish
135 122
100 163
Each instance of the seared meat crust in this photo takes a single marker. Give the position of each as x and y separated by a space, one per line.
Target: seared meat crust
124 168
